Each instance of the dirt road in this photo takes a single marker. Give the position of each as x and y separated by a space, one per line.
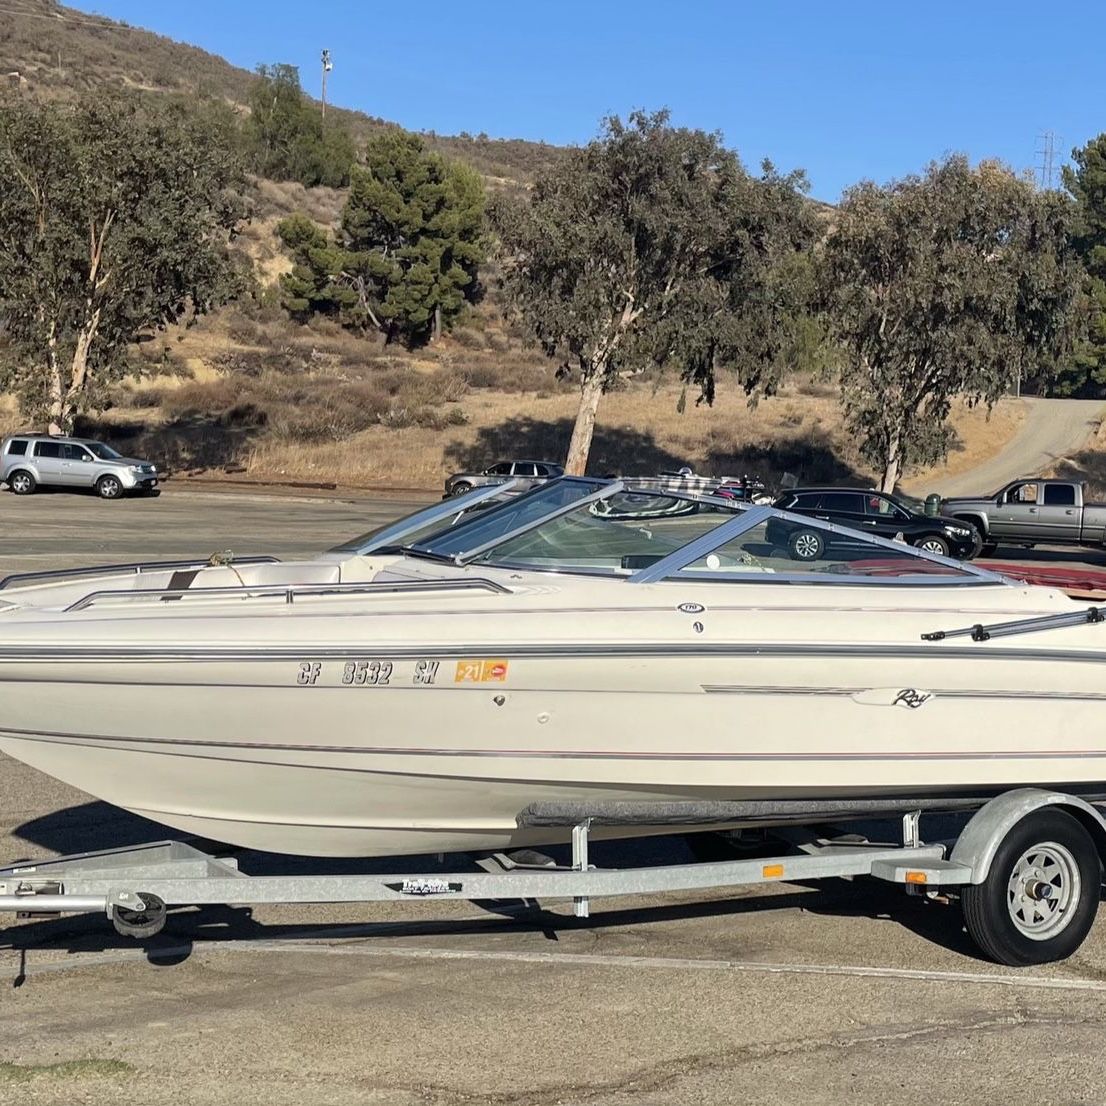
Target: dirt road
1053 428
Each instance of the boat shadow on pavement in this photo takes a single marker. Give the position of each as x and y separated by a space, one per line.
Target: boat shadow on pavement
98 825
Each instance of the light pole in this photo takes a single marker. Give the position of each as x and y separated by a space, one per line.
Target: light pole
328 65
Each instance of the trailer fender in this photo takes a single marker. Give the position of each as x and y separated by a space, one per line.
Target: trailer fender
975 848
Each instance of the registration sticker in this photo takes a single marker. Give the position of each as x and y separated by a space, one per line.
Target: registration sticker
481 672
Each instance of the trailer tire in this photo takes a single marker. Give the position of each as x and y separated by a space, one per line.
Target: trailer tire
147 922
1041 893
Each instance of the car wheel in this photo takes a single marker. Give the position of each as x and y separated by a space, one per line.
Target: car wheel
806 545
109 487
22 483
460 488
934 544
1041 893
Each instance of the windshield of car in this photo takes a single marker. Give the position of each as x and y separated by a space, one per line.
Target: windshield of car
104 452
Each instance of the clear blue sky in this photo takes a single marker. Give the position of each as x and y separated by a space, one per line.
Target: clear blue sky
844 90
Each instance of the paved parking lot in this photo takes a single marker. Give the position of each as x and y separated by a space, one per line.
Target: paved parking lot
818 994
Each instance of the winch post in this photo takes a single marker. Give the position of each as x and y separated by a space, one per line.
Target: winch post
911 833
580 903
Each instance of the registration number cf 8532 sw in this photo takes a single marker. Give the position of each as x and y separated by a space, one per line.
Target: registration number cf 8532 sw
367 673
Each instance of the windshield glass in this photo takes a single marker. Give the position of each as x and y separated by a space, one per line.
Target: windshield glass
796 546
98 449
618 534
505 518
420 525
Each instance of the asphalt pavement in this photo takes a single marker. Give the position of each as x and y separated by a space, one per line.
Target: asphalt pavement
784 993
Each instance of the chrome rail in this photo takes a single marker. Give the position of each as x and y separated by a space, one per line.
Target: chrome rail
984 632
137 567
291 591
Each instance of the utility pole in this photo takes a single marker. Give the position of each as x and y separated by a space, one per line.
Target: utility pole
1047 154
328 65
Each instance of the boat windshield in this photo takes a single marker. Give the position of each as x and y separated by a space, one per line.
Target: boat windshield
474 534
617 534
651 536
434 519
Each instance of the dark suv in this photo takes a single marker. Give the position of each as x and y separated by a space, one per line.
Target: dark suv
871 513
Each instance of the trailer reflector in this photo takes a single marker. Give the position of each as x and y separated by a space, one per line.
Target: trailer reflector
916 877
772 871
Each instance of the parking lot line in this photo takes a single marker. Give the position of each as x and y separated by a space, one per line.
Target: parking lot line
123 956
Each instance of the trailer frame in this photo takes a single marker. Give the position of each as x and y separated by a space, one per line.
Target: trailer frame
135 886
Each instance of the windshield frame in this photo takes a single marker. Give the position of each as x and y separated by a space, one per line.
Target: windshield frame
460 556
387 537
666 569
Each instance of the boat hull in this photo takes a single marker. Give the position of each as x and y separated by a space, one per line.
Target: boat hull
263 752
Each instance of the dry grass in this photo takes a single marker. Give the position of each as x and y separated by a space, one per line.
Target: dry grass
10 419
639 430
980 434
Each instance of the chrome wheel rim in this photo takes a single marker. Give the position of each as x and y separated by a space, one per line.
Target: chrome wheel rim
932 546
109 487
806 546
21 483
1043 891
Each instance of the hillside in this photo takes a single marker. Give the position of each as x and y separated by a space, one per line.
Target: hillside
247 390
59 52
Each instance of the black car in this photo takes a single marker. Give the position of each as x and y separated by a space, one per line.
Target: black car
871 513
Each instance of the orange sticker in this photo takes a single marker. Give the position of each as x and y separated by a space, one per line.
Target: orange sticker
480 672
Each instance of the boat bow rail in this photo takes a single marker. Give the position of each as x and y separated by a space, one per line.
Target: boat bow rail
290 592
19 579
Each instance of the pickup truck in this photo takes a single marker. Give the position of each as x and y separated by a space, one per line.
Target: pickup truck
1032 511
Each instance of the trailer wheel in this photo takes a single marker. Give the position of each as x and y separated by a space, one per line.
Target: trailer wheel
140 923
1041 895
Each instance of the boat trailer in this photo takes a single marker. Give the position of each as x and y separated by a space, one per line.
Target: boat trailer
136 886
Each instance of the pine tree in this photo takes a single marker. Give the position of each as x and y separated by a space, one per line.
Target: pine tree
406 256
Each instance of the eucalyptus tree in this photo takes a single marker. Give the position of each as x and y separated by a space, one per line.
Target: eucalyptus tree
652 245
115 217
958 282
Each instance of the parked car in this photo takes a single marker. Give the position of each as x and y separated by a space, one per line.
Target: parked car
1033 511
528 473
29 461
872 513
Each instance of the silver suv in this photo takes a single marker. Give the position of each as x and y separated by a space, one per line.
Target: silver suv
28 460
528 474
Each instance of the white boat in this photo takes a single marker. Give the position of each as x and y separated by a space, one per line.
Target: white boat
483 673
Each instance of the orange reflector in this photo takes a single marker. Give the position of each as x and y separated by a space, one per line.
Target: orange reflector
915 877
772 871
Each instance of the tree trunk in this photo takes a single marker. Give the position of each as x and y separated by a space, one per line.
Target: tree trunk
891 466
436 332
55 408
591 390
